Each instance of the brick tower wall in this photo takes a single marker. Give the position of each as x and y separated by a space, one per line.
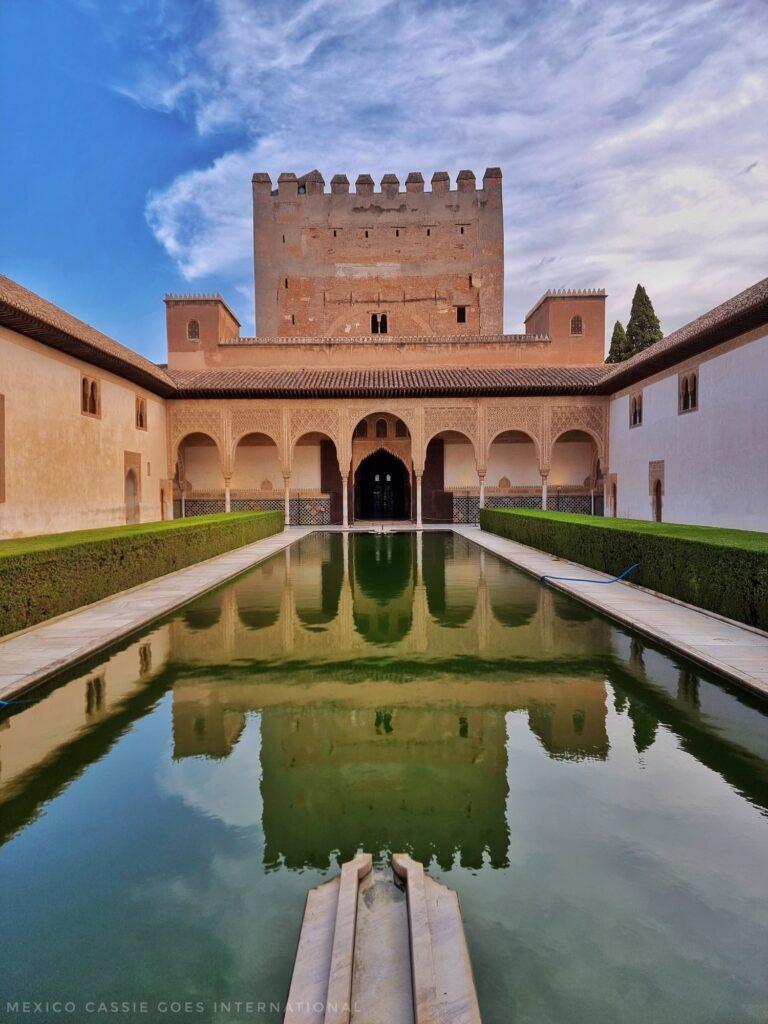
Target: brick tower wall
325 262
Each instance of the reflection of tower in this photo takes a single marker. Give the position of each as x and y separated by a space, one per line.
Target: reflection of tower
430 781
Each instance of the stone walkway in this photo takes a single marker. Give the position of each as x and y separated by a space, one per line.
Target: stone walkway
738 652
36 654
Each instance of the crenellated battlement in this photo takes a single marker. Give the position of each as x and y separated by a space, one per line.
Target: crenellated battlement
290 185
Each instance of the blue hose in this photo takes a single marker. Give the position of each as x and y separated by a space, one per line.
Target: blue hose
576 579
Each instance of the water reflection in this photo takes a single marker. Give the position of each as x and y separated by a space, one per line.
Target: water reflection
381 670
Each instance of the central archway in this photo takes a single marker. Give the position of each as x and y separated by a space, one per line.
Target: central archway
382 487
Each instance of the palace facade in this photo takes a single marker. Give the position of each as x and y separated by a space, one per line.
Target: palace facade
380 386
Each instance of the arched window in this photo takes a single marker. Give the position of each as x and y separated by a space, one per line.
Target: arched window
383 323
93 399
193 330
381 428
504 483
84 395
577 325
400 429
141 413
361 430
688 398
374 323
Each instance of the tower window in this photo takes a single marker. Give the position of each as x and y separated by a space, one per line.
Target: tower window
577 325
397 232
193 330
429 232
334 232
293 318
285 282
461 314
461 230
366 234
302 190
378 323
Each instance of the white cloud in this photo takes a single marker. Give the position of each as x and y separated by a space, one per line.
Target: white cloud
623 130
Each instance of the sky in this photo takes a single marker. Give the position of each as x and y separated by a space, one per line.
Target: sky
632 135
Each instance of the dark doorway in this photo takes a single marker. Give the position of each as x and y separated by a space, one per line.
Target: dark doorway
382 488
657 501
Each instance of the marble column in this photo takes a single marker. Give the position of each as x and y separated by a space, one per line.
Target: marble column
344 503
287 500
543 491
227 497
481 477
418 501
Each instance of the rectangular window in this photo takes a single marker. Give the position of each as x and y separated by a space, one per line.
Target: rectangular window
461 314
90 397
688 391
285 283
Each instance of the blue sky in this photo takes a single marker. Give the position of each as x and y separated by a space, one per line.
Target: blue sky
632 136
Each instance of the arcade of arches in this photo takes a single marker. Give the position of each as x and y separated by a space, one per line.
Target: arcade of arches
340 463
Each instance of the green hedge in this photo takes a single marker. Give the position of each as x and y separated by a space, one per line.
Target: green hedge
44 576
725 571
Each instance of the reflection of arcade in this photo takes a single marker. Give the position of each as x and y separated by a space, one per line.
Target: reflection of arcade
372 738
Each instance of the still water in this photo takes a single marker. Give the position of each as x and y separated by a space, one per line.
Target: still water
598 804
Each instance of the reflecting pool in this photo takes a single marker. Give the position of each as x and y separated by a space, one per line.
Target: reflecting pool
598 804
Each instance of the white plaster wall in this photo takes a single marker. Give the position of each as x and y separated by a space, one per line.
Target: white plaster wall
65 471
518 462
715 459
305 468
459 465
256 463
202 467
571 462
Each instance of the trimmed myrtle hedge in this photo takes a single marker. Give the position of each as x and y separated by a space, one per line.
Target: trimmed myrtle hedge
725 571
44 576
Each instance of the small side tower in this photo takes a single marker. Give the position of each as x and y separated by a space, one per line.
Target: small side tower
195 325
574 321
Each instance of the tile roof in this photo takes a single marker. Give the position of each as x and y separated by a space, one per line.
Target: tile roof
383 383
30 314
567 293
737 315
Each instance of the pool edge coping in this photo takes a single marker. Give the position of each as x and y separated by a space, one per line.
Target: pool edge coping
733 674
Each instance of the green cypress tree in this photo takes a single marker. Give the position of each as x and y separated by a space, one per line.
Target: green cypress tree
619 349
643 328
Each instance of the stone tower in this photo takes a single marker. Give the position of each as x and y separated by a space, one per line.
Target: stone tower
403 263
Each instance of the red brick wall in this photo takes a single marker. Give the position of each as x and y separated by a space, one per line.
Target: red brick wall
413 255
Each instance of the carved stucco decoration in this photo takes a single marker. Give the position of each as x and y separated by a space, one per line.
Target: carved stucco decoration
195 419
400 448
527 419
589 418
353 414
256 421
313 419
463 419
